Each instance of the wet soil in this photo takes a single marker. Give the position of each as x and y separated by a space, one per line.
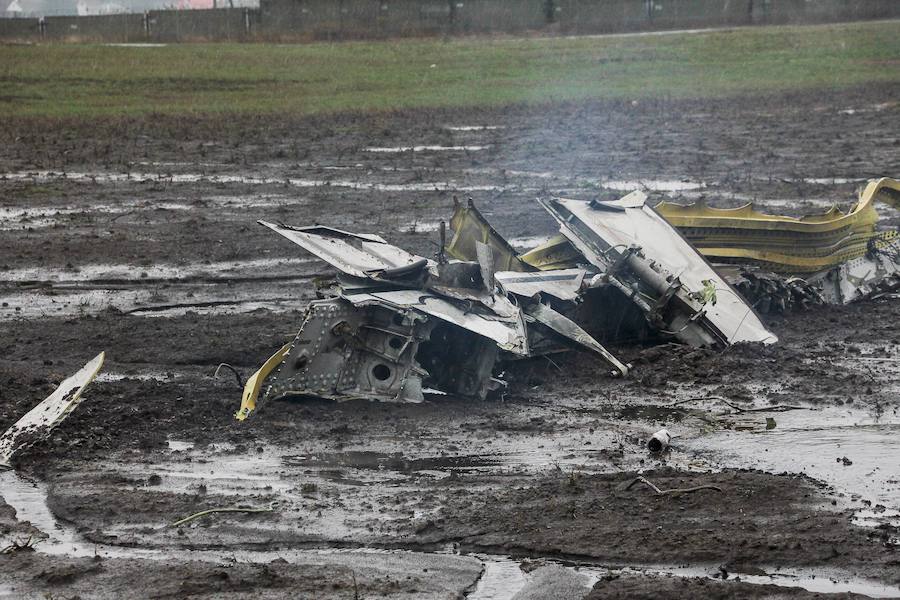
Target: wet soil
740 521
643 588
122 578
138 237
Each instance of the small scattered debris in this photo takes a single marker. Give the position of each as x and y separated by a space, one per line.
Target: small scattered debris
210 511
845 461
659 441
20 546
672 492
237 375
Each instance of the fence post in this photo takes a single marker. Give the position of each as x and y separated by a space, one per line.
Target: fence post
42 27
247 22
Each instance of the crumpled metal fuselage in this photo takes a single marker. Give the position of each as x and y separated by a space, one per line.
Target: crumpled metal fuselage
392 325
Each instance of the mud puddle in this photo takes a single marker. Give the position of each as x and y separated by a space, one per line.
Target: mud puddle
851 450
36 217
12 219
392 462
654 185
159 290
504 577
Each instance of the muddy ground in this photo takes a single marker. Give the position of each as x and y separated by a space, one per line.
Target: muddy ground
138 237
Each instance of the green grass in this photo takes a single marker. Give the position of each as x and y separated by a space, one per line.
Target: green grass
93 80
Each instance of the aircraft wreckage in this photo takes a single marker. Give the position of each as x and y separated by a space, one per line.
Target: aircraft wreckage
394 326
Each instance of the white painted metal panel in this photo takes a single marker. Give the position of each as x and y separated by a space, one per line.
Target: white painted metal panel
508 333
631 222
41 419
564 284
359 255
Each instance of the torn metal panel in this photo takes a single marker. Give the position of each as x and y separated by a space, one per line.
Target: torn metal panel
470 227
377 350
359 255
40 420
486 264
573 333
876 273
343 351
770 292
564 284
658 269
507 332
780 243
554 254
255 382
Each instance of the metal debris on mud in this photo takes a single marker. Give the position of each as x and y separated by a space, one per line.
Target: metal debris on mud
429 432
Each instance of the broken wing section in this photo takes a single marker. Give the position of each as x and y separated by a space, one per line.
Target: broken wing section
646 258
40 420
359 255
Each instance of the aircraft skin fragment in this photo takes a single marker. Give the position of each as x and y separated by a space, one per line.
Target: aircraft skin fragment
361 256
37 423
507 332
471 228
563 284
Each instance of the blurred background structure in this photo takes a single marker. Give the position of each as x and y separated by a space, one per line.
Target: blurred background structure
138 21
